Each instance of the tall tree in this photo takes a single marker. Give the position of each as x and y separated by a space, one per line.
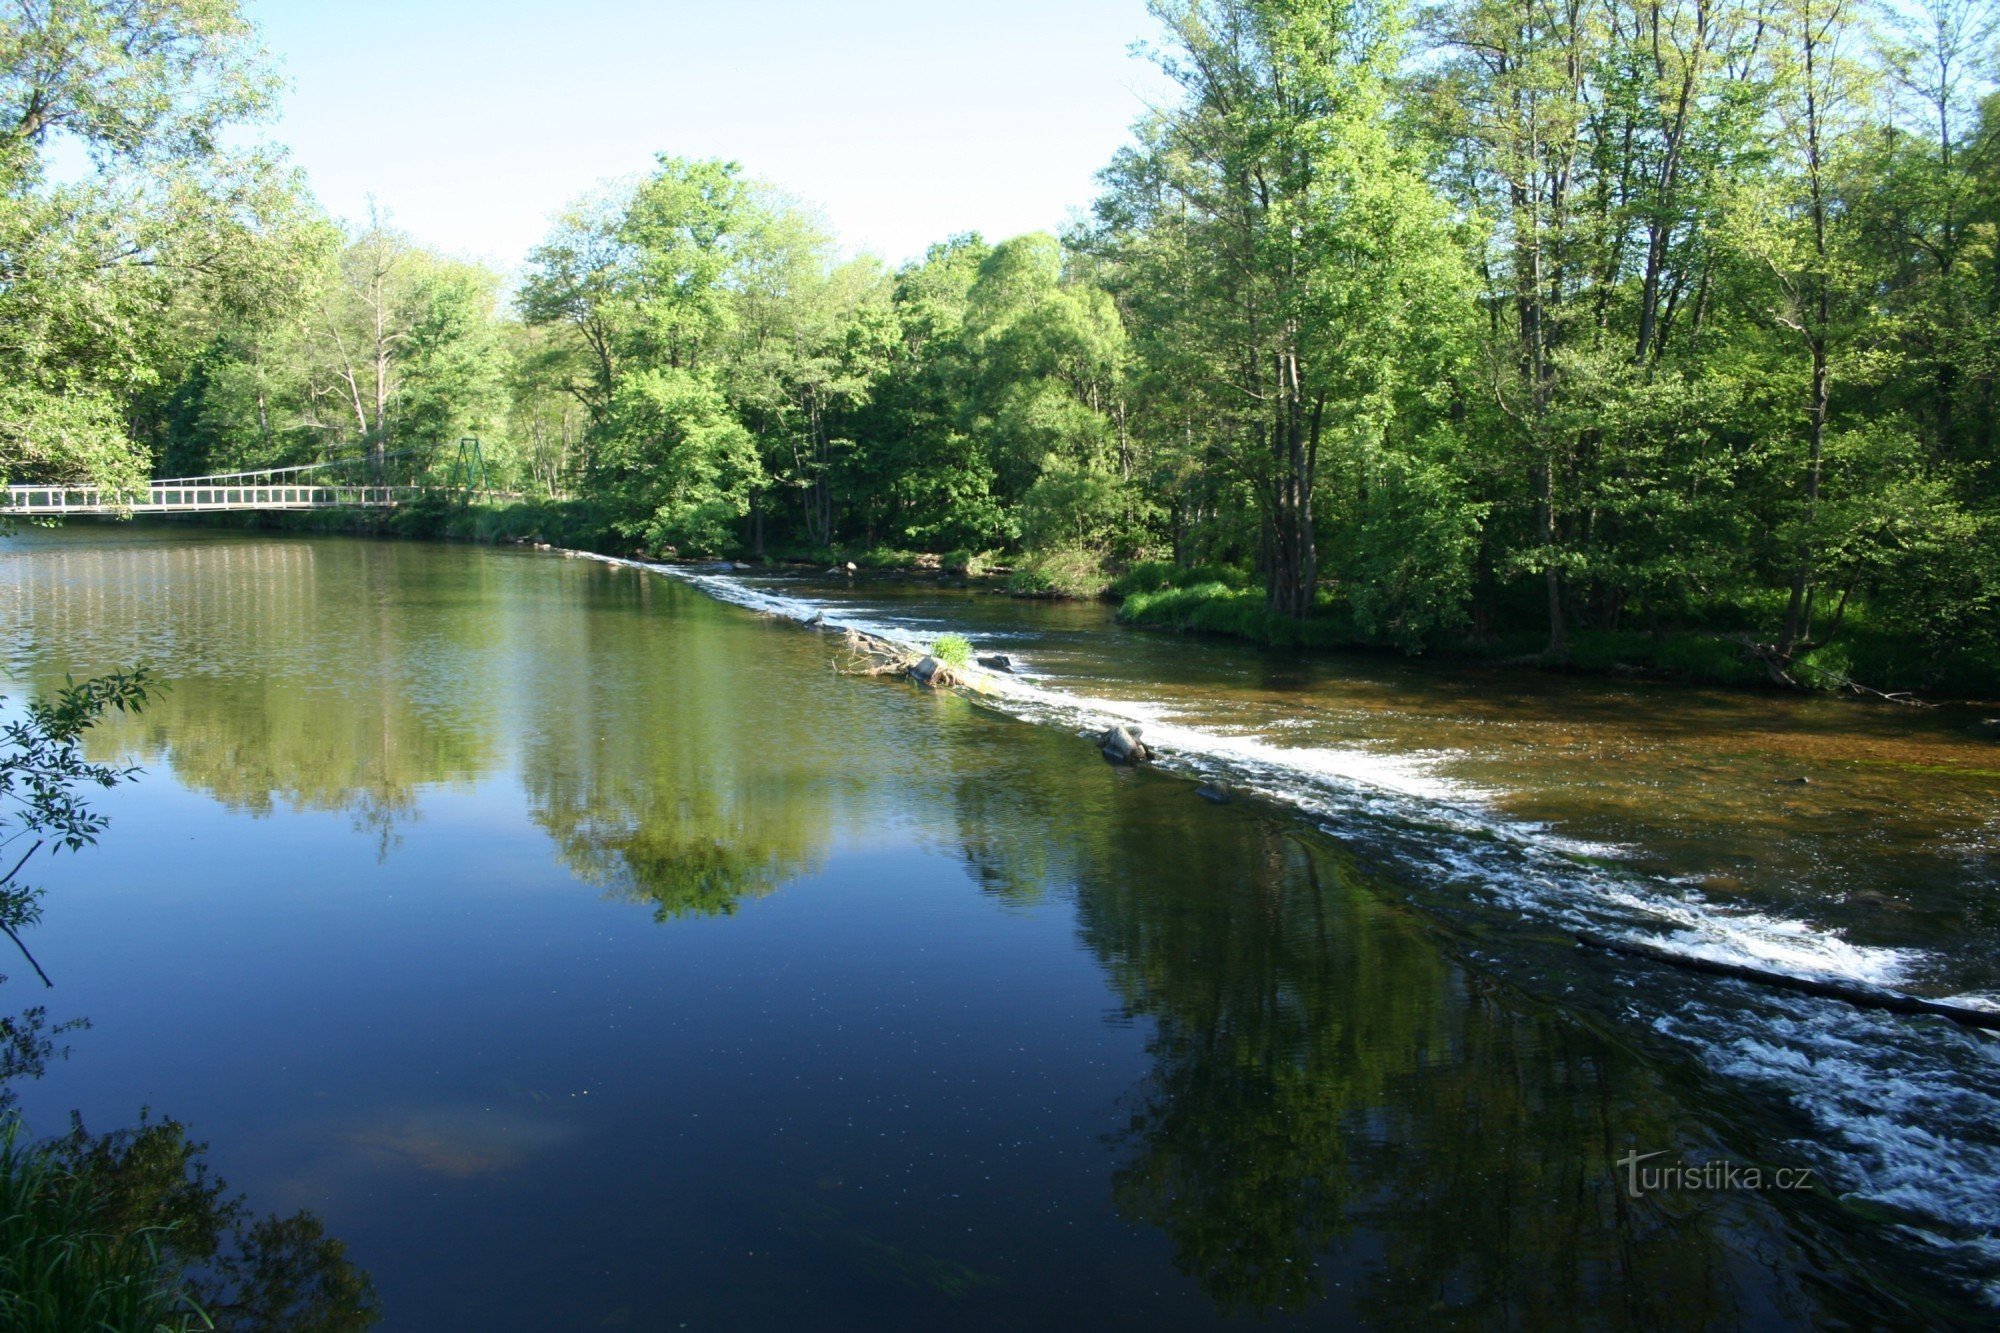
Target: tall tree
1310 237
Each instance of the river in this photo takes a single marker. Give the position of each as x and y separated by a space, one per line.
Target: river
587 952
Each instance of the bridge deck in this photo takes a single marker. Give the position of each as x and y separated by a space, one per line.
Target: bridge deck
193 495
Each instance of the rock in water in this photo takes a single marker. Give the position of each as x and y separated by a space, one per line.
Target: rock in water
998 662
1987 728
1214 791
1122 745
925 671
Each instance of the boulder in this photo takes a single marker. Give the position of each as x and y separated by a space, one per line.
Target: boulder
926 671
1121 745
998 662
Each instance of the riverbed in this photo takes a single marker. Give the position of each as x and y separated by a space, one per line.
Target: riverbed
588 952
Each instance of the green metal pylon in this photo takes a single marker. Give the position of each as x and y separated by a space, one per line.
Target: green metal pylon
468 468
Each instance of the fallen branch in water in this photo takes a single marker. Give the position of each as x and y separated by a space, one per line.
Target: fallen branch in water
1779 669
1854 993
872 655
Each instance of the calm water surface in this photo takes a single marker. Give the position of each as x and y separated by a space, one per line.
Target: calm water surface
589 954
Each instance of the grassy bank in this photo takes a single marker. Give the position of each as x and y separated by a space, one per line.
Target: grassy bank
1224 601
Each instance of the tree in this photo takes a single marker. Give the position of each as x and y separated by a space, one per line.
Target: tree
1307 238
111 282
644 280
808 339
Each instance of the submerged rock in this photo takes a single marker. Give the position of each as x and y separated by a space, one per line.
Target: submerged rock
1214 791
1121 745
998 662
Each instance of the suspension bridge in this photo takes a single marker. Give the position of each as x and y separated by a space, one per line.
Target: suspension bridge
344 484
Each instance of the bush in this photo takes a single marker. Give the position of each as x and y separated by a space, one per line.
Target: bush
1156 575
1217 608
1066 571
954 650
972 564
1828 667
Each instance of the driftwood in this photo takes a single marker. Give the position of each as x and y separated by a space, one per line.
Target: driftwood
1854 993
872 655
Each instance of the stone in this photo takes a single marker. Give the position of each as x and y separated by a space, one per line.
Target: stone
1213 791
1121 745
997 662
925 672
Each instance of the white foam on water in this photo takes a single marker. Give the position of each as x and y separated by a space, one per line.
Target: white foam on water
1905 1108
1337 783
1912 1126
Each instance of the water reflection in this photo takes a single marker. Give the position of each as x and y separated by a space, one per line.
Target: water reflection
670 767
300 673
1339 1110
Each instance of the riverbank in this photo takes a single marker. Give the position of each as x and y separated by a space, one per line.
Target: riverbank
1223 601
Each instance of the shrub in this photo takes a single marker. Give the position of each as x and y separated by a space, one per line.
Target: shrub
954 650
1156 575
1066 571
1829 667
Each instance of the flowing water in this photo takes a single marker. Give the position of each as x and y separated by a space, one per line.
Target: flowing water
588 953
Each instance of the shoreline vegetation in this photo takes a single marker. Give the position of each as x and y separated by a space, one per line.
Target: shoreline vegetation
1221 601
1656 336
1659 337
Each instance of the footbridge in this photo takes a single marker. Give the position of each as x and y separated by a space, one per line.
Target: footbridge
345 484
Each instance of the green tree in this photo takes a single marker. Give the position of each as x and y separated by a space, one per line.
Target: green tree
112 279
1312 255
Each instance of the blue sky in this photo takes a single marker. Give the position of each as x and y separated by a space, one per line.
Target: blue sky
904 121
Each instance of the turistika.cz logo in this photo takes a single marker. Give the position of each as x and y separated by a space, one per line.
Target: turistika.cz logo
1718 1175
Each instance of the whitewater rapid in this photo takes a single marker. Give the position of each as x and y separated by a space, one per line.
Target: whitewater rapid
1906 1111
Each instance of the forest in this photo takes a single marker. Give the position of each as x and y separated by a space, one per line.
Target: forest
1577 330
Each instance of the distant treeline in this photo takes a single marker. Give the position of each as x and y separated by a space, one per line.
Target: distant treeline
1441 326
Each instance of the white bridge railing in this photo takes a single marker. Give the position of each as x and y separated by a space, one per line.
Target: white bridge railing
194 495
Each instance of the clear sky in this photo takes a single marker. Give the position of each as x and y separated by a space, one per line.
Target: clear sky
904 120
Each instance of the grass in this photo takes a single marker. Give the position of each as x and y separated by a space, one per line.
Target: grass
60 1268
1218 608
1160 575
954 650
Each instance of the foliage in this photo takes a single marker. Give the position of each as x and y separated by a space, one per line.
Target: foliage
1456 323
60 1267
43 778
129 1230
1065 571
954 650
